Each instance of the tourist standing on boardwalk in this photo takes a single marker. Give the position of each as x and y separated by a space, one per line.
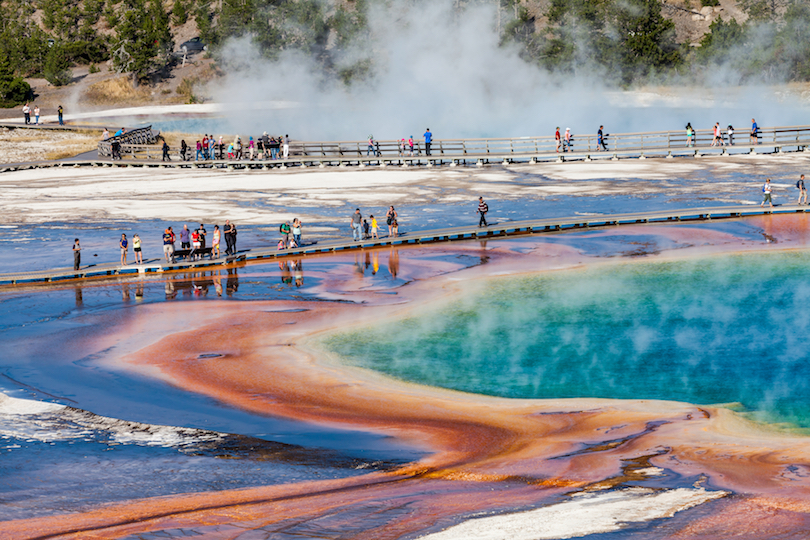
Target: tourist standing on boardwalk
285 231
286 146
766 190
215 243
600 140
394 226
168 245
230 237
754 132
296 231
136 247
370 148
390 218
77 254
730 133
373 228
410 145
36 114
123 244
802 190
166 151
356 222
428 140
26 113
689 134
185 243
557 138
568 140
60 112
202 232
483 208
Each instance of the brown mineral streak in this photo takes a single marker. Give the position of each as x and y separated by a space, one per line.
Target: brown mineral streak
546 447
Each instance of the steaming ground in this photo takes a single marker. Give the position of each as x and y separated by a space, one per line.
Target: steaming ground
45 209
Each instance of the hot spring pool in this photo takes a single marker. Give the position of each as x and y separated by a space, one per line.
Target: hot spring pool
724 329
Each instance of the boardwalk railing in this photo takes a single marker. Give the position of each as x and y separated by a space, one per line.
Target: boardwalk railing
651 143
129 142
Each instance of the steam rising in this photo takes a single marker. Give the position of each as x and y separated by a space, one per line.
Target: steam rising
436 67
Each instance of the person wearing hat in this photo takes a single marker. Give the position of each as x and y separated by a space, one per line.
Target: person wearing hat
567 142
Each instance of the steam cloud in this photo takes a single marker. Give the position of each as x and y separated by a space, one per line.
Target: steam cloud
439 68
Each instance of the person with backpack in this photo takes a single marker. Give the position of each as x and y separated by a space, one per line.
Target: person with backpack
483 208
285 231
802 190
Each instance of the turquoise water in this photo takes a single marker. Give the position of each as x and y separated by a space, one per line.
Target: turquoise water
730 329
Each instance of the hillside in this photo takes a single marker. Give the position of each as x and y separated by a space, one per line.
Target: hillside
104 53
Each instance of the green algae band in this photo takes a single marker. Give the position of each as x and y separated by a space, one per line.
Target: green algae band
728 329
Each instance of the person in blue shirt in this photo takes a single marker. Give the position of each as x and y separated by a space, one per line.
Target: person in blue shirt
428 138
754 132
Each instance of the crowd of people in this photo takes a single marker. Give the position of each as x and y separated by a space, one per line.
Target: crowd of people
264 147
721 137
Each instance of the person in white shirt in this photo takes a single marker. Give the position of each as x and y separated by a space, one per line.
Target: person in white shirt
766 190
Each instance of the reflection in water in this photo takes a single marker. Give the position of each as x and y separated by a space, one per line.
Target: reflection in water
79 299
125 294
292 272
393 262
232 285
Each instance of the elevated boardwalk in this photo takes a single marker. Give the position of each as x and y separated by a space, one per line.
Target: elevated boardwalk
454 152
507 229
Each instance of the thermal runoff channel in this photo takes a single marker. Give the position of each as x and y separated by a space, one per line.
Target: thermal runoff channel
719 330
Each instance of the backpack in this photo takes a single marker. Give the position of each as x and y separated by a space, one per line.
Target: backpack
281 228
798 186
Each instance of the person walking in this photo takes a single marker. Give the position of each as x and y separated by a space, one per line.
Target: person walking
390 218
802 190
766 190
568 140
410 145
166 151
199 153
717 139
60 112
428 141
689 134
600 140
483 208
215 243
370 148
77 254
26 114
123 244
136 247
374 228
557 138
36 114
356 222
168 246
754 139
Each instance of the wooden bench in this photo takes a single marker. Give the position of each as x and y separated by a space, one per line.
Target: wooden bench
185 253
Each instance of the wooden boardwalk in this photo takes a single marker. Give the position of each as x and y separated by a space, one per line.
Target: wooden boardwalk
497 230
453 152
